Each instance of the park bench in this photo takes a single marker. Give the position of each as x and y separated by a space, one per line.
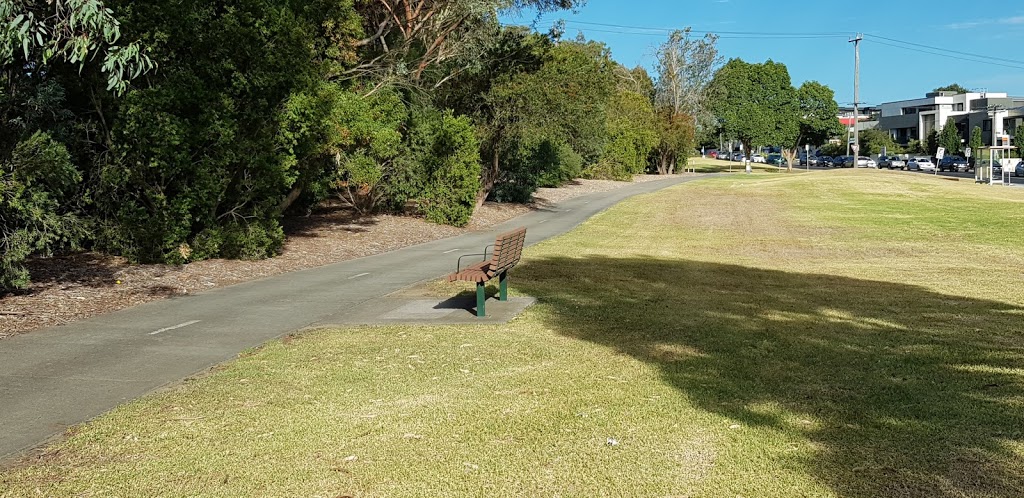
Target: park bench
508 248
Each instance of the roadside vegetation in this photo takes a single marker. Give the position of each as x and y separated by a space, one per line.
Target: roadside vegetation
850 333
172 132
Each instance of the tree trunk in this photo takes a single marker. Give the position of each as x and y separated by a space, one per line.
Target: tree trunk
290 199
487 180
663 163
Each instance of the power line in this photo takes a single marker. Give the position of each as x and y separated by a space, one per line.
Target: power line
985 57
873 38
940 54
725 37
700 32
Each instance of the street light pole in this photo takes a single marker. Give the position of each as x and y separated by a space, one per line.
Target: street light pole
856 96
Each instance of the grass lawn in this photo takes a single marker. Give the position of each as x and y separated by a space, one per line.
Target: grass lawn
709 165
840 333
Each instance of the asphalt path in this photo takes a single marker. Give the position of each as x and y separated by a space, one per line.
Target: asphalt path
53 378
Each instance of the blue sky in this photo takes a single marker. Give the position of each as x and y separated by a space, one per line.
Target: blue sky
891 69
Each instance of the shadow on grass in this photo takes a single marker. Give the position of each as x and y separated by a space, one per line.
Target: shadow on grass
913 393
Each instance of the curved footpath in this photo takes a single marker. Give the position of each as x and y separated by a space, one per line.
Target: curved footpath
56 377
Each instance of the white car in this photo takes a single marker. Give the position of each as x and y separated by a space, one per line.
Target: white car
920 164
757 158
866 162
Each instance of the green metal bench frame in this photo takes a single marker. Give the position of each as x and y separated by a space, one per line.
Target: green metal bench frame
508 249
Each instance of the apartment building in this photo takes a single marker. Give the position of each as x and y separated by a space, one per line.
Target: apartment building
997 114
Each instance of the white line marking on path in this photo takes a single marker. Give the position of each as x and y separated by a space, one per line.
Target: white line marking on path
449 252
357 276
178 326
542 222
568 210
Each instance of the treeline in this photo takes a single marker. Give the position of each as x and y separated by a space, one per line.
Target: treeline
174 131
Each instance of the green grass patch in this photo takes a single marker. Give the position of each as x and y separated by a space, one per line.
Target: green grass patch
709 165
842 333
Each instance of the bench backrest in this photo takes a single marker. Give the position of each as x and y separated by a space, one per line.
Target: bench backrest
508 248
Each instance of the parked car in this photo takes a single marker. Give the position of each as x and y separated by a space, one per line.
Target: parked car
1019 170
825 161
737 156
920 164
757 158
775 159
953 163
845 162
866 162
891 162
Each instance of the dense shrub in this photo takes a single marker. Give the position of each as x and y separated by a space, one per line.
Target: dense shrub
535 163
453 172
37 184
632 135
196 156
370 141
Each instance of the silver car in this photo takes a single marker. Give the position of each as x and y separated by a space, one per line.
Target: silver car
920 164
891 162
866 162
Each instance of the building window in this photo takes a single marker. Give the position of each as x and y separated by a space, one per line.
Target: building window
909 110
986 125
959 107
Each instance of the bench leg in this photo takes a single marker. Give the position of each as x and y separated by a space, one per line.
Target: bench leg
503 286
481 296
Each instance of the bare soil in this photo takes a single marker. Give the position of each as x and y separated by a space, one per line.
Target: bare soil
73 287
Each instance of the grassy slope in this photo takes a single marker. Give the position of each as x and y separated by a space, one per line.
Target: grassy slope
851 333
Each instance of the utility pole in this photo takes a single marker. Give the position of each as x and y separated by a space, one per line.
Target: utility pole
856 96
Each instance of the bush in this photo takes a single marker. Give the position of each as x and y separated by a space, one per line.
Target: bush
559 162
37 187
535 163
606 170
453 172
200 161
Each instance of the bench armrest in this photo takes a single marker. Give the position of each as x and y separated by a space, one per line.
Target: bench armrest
458 266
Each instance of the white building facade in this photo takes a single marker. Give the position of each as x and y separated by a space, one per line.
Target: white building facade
997 114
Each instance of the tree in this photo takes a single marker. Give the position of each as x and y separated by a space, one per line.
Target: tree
756 103
819 113
408 39
677 137
37 186
1018 140
636 80
949 137
790 155
953 87
197 167
548 122
976 143
932 142
35 32
632 133
872 142
685 68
